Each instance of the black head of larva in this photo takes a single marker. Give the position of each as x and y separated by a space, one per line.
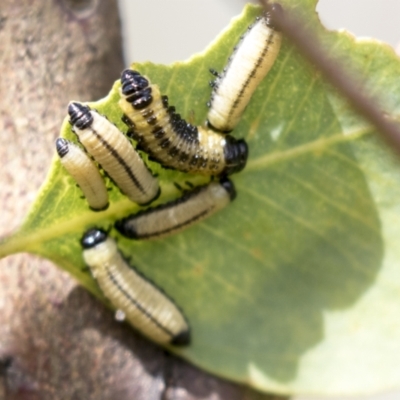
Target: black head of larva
181 339
79 115
272 9
132 81
236 152
62 147
228 185
135 88
93 237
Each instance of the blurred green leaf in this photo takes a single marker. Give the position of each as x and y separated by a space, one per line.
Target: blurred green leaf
295 287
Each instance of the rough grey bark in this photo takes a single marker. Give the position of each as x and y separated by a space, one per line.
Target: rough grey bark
56 341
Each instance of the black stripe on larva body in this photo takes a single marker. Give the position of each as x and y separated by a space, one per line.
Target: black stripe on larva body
250 62
113 151
177 215
84 171
145 306
111 276
169 139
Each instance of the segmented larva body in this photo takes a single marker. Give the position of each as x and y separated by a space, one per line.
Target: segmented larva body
145 306
84 171
169 139
250 62
113 151
175 216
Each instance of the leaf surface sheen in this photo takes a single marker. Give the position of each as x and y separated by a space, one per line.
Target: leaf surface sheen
294 288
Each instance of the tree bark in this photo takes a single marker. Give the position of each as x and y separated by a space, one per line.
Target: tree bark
56 341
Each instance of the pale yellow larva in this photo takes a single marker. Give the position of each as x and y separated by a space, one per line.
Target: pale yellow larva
175 216
84 171
169 139
144 305
113 151
250 62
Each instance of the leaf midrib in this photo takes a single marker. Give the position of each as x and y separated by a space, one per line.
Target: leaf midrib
316 146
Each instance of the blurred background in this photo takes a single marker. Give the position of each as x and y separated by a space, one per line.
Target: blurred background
152 29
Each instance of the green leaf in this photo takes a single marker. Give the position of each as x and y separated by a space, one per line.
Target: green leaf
294 288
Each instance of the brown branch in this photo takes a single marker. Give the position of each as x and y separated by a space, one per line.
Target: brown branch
333 71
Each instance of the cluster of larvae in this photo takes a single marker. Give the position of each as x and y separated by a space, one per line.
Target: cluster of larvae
169 140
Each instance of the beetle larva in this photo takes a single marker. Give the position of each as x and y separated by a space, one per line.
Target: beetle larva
113 151
177 215
84 171
250 62
169 139
145 306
